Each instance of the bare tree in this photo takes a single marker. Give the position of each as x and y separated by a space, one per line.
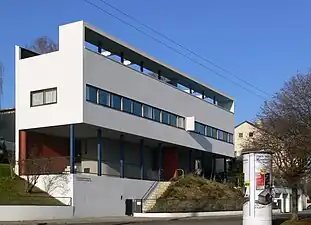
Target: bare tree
43 45
286 131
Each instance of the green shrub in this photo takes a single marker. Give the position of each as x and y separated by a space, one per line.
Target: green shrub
194 194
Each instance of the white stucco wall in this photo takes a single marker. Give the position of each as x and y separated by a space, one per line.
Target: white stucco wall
60 186
24 213
105 196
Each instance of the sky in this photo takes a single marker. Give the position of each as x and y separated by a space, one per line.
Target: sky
261 42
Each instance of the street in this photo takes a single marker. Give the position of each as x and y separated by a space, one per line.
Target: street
232 220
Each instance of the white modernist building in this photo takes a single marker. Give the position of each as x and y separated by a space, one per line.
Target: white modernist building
99 106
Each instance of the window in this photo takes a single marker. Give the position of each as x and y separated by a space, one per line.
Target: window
214 132
181 122
104 98
127 105
225 137
199 128
137 108
116 102
173 120
230 138
251 134
37 98
165 116
240 135
91 94
156 114
147 111
220 135
208 131
50 96
43 97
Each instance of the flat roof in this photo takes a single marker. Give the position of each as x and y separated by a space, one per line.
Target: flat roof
109 43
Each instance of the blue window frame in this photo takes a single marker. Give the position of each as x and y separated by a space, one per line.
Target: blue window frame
156 115
104 97
127 105
165 117
173 120
116 101
137 108
147 111
199 128
91 94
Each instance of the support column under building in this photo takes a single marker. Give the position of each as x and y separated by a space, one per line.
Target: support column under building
72 147
121 156
202 162
142 159
225 169
160 161
190 160
99 152
213 166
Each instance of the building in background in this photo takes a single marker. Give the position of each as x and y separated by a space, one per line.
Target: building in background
243 132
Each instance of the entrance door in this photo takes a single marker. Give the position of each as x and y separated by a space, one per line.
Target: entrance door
170 164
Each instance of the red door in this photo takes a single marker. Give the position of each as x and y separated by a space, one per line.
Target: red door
170 164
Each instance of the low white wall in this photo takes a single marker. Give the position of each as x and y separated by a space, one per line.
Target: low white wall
60 186
24 213
95 196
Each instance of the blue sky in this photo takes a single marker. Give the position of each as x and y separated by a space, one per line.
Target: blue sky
263 42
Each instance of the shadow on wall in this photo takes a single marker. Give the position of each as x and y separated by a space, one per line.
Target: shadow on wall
202 140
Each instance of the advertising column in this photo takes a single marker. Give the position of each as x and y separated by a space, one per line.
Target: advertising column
257 208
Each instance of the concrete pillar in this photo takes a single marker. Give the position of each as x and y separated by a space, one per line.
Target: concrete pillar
72 147
190 158
22 151
99 152
142 159
287 203
160 161
121 156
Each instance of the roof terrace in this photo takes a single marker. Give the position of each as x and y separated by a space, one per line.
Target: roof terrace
121 52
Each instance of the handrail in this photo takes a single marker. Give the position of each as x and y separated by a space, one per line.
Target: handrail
153 185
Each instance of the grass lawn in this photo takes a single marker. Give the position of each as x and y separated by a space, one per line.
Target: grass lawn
12 191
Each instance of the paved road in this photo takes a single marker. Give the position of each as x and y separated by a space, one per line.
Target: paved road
233 220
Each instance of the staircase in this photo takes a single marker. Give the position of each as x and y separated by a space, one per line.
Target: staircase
151 199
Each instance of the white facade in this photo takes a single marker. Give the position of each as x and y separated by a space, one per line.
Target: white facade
74 66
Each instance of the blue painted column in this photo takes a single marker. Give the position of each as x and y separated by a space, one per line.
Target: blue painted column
190 161
121 156
160 161
99 152
142 159
72 147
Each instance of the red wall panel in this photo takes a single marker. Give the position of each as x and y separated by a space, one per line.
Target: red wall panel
170 164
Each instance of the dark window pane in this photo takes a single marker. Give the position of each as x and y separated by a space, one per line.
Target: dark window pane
104 98
91 94
165 117
156 114
214 133
173 120
116 102
147 111
127 105
199 128
137 108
